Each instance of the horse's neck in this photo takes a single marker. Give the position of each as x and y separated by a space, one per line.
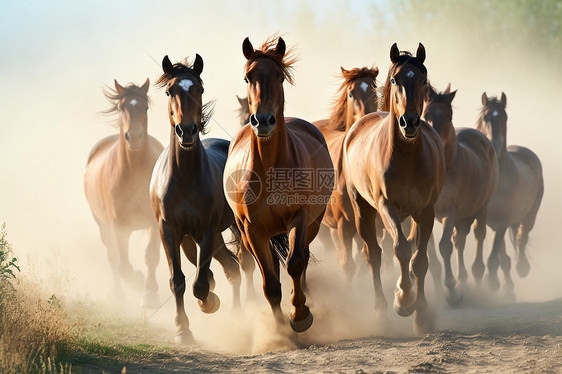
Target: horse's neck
186 162
449 139
349 118
269 152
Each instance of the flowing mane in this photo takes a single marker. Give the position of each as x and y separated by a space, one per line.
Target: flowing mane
268 50
184 67
405 57
338 116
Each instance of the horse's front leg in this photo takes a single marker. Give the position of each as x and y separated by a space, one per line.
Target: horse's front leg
404 295
227 259
420 264
171 243
151 258
300 316
208 301
134 278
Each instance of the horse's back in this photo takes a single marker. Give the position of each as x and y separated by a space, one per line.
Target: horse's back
217 149
305 131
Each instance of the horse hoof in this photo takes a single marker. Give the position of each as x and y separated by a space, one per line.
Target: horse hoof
150 300
211 305
301 326
454 298
523 268
402 311
478 272
184 338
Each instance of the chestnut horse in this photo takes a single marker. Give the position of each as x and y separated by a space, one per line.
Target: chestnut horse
116 186
471 178
395 165
278 178
187 195
356 97
517 198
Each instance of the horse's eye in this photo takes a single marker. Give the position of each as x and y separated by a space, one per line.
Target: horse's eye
202 90
350 95
392 80
245 79
167 93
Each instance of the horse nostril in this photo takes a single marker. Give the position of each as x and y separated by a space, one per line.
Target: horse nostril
403 122
271 120
179 131
254 120
417 123
194 130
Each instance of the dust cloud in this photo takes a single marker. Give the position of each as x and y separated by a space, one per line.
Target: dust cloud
55 61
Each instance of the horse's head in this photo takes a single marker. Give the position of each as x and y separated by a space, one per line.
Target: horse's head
131 102
359 88
493 121
265 71
405 89
184 89
243 111
438 111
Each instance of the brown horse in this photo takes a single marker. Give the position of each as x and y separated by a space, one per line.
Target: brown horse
278 178
356 97
116 186
187 195
470 180
395 165
518 196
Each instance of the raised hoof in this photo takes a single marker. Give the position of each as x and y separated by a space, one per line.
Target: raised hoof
523 268
211 305
184 338
493 283
150 300
301 326
454 298
402 311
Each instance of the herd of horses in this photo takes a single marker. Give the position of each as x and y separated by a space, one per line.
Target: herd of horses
384 166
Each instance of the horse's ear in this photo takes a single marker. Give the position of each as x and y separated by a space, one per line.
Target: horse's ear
394 53
420 54
484 99
198 64
240 100
281 47
118 88
503 99
247 48
376 71
431 93
447 89
344 72
168 67
145 86
451 96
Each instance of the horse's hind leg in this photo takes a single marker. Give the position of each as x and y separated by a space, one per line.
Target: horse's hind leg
151 258
522 236
228 261
480 234
446 249
208 246
177 282
434 264
248 265
365 222
343 237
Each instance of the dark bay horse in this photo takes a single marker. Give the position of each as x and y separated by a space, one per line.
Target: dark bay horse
356 97
395 165
470 180
278 178
518 196
116 186
187 194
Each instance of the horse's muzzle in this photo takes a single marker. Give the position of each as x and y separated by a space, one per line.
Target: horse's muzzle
263 124
409 124
186 134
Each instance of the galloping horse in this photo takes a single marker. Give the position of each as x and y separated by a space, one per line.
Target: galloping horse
395 165
518 196
278 177
470 180
357 97
116 186
187 195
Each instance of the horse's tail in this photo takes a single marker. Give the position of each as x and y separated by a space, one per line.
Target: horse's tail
235 241
280 246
